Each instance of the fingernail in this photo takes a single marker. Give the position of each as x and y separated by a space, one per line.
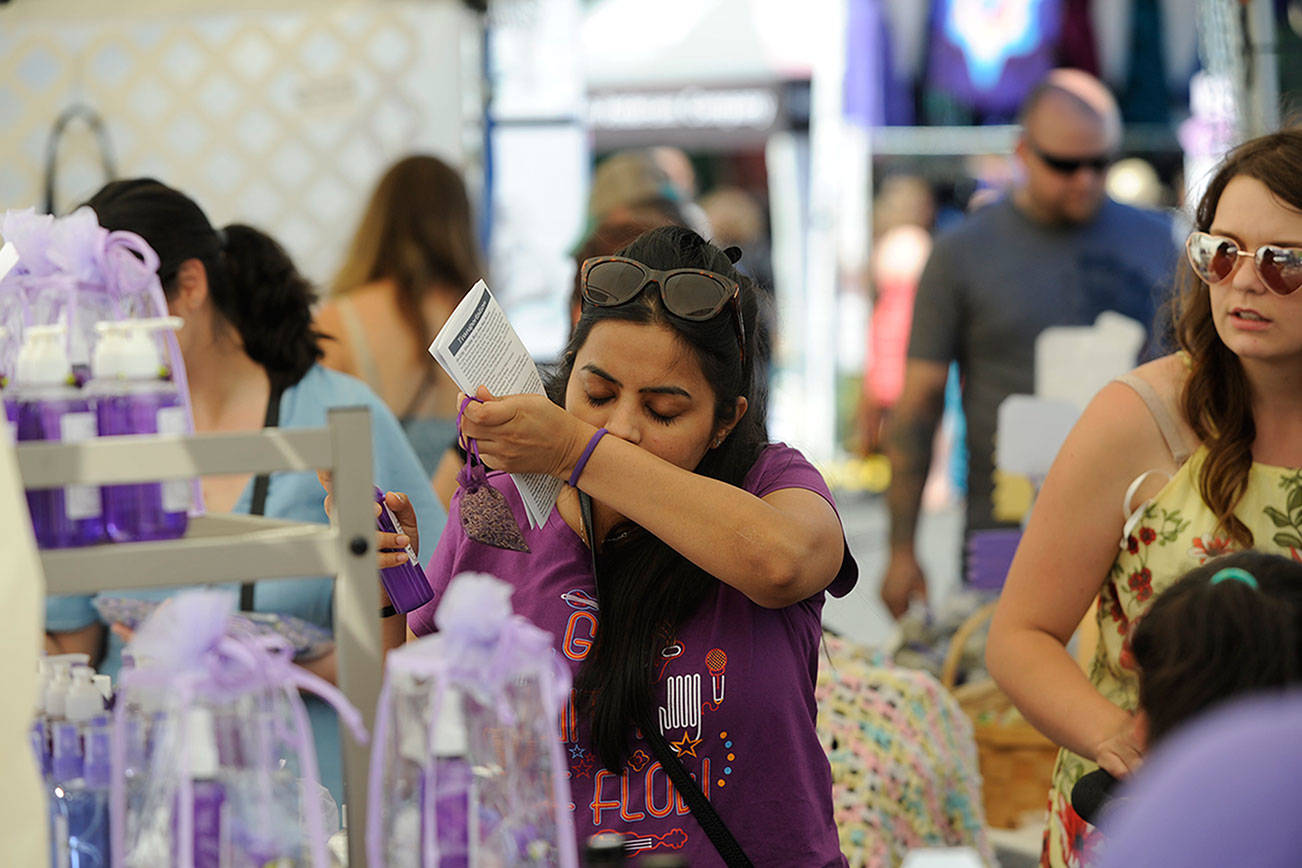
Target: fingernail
403 539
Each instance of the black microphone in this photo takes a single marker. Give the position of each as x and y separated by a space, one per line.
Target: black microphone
1092 794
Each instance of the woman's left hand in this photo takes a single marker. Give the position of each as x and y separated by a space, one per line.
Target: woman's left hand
389 546
525 433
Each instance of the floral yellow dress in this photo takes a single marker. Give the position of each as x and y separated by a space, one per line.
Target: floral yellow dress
1165 537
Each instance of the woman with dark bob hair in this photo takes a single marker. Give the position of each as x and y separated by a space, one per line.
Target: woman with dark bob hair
702 549
251 356
1185 458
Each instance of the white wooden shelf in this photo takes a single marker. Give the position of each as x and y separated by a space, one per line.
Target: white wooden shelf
232 548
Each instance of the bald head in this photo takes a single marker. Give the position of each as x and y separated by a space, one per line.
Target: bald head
1071 91
1071 129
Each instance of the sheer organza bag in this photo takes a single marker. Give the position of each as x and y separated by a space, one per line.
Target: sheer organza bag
225 772
467 766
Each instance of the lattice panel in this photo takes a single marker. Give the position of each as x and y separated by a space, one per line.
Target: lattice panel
283 119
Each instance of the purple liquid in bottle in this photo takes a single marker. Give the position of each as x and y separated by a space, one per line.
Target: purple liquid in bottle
147 510
405 584
71 515
450 811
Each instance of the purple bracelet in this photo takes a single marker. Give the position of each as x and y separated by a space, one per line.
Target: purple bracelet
583 459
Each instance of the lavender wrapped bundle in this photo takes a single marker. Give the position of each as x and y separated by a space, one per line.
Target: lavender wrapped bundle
466 766
233 773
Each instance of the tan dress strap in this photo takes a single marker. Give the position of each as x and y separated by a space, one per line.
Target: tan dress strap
1163 414
366 366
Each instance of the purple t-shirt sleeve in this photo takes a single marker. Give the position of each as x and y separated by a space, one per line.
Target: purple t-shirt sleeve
780 466
439 570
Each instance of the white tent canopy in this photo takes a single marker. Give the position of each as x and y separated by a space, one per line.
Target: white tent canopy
628 43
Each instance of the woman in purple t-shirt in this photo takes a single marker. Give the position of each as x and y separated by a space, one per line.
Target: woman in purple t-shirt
714 549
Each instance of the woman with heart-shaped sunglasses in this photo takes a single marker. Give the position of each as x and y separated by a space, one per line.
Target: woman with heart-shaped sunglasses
1186 458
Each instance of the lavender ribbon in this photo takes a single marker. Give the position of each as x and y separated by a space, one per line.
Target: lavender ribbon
194 655
482 649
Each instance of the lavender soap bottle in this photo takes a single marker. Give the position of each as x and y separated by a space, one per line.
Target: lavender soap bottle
51 409
132 396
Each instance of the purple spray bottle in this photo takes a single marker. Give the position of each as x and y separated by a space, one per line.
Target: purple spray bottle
51 409
132 396
405 584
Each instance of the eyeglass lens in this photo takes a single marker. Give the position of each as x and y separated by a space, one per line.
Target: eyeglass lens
694 296
1072 165
613 282
1215 257
688 295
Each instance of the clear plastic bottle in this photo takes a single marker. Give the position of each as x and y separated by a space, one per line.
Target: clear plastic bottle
133 397
81 803
65 767
211 832
51 409
453 799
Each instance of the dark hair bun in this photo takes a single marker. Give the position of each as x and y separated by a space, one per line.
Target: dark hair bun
269 302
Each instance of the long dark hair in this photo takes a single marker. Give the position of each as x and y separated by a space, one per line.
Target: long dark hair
1202 642
645 589
1217 401
252 281
418 231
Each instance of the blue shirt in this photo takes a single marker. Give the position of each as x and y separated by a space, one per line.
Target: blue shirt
298 496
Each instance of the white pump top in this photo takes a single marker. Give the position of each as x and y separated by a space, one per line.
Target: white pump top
201 744
127 349
55 677
450 726
43 358
56 690
84 700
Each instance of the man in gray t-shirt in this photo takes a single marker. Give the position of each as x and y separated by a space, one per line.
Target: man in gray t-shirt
1056 252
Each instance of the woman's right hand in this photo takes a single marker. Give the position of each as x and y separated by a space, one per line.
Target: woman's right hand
1122 753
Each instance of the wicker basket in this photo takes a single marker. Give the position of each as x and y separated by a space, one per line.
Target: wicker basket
1016 760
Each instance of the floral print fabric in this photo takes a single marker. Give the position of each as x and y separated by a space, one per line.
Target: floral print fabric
1175 532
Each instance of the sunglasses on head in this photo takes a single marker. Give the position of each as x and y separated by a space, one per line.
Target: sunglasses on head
688 293
1215 257
1071 165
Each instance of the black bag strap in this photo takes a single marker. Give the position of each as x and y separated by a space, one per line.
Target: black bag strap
690 790
704 812
262 483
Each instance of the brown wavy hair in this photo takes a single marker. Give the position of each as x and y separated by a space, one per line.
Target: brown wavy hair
1217 400
418 231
